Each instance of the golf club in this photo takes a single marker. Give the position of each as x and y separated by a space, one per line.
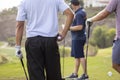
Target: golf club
24 69
63 54
88 25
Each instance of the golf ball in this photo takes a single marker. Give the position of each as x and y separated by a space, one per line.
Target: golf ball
109 73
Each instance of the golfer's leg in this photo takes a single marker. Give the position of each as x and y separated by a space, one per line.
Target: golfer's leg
52 60
82 60
77 64
79 53
116 67
35 59
116 55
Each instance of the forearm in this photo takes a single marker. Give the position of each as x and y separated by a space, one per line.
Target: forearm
68 22
19 33
76 28
100 16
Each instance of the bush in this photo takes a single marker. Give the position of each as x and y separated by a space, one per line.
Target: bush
102 36
64 51
11 41
3 59
92 50
1 43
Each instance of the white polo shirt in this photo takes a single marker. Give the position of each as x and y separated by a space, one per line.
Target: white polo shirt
41 16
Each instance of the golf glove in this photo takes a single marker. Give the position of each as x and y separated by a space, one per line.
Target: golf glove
89 22
18 52
59 37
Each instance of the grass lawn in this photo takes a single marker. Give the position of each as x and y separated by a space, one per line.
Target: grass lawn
1 43
98 66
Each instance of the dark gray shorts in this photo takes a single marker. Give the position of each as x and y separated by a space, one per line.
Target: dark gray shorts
116 52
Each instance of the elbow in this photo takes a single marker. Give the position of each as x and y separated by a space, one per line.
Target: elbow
20 24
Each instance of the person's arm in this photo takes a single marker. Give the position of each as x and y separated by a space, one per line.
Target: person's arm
76 28
19 32
69 14
21 17
111 7
79 20
100 16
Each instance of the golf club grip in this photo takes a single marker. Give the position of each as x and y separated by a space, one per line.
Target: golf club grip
24 69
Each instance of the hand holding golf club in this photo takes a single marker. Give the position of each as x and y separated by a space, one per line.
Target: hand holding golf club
19 52
60 37
89 22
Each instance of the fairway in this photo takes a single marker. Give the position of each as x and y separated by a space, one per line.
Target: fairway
98 66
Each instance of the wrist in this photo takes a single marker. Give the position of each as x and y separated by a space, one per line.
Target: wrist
90 20
18 47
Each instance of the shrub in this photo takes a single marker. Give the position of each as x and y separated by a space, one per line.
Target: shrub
64 51
3 59
102 36
92 50
11 41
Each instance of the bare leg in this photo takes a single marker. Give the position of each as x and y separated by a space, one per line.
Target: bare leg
82 60
77 64
116 67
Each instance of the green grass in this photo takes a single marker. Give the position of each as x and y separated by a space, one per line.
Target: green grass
98 66
1 43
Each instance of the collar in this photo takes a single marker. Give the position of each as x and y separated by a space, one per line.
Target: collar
78 10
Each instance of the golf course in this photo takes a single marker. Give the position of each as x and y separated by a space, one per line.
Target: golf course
98 66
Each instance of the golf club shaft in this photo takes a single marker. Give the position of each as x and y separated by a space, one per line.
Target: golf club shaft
63 55
87 45
24 69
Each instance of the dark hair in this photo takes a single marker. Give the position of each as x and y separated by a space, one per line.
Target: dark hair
75 3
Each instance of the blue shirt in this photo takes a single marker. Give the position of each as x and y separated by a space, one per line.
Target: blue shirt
41 16
80 18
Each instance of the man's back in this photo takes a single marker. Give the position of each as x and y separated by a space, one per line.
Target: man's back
41 16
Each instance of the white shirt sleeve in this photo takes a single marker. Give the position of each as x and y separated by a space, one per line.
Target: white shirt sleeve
21 14
62 6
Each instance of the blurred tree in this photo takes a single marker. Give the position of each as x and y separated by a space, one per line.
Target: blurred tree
102 36
110 34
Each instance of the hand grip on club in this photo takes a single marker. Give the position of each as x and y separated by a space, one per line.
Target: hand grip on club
89 24
59 37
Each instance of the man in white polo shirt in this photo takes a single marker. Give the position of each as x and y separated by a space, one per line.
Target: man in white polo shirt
41 31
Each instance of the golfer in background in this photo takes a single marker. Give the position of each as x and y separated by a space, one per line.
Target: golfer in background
78 39
41 31
113 6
